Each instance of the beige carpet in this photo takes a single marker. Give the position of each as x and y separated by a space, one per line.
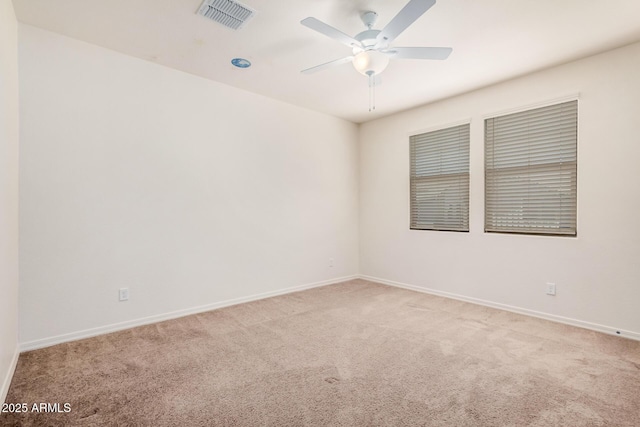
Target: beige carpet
351 354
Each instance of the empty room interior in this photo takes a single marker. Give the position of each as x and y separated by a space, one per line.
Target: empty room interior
329 213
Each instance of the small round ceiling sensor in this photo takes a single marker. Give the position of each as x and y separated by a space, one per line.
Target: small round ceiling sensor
241 63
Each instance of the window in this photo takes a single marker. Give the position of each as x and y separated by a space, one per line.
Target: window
531 171
440 179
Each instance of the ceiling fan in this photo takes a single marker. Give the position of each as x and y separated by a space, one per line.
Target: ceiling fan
371 51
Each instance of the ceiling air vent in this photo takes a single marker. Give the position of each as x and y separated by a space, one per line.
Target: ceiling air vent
226 12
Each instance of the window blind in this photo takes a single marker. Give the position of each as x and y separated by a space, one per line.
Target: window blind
531 171
440 179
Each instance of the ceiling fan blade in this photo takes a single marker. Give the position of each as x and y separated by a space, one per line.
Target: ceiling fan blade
407 16
329 31
419 52
327 65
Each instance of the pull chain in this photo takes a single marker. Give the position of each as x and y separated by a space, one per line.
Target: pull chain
372 92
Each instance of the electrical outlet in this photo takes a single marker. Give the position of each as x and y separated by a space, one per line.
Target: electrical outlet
331 262
123 294
551 288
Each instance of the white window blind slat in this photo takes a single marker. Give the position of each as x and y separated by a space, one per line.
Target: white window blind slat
531 171
440 179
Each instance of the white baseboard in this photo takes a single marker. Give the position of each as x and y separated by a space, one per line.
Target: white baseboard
4 389
554 318
87 333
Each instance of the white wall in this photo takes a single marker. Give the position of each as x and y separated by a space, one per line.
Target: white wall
192 193
8 195
597 274
187 191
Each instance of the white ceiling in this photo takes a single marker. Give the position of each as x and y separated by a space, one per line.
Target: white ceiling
492 40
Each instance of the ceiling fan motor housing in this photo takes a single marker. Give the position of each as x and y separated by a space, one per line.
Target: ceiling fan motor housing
369 40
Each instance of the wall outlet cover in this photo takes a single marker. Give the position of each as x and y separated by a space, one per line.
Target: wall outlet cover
551 288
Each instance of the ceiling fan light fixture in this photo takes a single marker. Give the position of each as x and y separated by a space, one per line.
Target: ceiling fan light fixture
370 62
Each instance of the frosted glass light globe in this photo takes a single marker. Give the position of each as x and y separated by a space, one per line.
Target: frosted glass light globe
370 62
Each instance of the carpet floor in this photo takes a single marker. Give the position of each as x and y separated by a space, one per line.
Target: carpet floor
351 354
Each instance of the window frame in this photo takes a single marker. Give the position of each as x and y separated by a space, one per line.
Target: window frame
561 173
440 180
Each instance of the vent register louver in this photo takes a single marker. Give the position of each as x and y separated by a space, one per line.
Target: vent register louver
226 12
